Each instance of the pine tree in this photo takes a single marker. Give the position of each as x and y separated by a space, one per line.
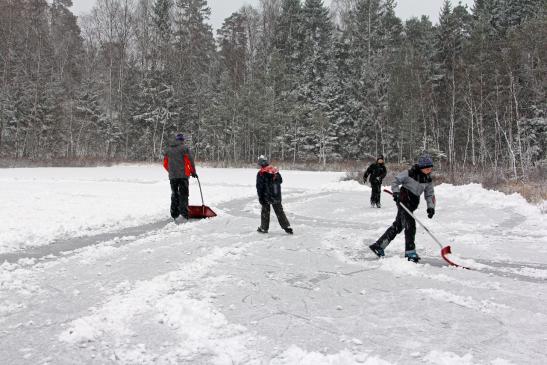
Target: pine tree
374 35
162 25
195 51
89 119
289 33
508 14
316 54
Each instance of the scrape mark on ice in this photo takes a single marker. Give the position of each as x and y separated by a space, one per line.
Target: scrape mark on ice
162 301
485 306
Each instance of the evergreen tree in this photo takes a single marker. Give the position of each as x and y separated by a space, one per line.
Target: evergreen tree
316 51
162 25
195 51
374 35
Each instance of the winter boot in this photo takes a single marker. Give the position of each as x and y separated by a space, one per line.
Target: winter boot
289 230
378 205
378 251
412 256
262 230
181 219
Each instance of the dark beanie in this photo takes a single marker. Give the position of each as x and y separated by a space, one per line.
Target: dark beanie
425 161
263 161
179 137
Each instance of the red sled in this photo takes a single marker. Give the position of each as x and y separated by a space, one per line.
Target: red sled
200 212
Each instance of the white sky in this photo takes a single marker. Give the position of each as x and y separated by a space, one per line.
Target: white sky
221 9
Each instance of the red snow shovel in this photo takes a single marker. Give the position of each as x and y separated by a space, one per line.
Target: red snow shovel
444 250
200 212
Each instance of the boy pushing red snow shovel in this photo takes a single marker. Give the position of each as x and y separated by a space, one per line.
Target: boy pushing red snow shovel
178 161
446 250
407 189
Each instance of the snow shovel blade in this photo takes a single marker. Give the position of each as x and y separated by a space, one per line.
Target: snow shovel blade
447 251
200 212
444 250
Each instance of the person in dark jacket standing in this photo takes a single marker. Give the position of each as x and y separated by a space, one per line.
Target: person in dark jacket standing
377 172
178 160
268 188
407 189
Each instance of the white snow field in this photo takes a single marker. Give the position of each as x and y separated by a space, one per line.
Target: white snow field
93 271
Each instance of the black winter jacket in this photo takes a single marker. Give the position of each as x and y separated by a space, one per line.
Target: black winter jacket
268 188
377 173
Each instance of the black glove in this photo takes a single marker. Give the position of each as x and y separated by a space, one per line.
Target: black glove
194 175
430 212
396 198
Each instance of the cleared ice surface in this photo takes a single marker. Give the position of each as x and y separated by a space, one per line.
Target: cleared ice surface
41 205
217 292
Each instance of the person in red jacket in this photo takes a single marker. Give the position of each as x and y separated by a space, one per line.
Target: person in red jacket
178 160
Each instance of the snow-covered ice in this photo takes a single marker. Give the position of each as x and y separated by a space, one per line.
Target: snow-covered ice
95 273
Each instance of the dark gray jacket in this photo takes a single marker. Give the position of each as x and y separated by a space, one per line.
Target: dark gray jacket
416 183
178 160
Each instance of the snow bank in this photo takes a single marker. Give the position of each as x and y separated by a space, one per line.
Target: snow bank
476 195
296 356
450 358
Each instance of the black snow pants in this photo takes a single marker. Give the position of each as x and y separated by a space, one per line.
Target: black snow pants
376 192
281 217
402 221
179 197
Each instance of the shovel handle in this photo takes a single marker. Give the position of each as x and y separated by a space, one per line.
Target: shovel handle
444 250
417 220
201 193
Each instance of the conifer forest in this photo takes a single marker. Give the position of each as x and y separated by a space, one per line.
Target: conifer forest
295 80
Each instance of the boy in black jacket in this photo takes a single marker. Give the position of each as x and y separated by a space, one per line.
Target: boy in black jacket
268 187
377 172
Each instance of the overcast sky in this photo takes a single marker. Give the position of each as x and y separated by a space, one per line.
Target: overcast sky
221 9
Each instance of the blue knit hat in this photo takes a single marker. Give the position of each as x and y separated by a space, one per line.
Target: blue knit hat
179 137
425 161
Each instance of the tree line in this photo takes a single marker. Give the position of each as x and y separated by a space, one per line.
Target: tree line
291 79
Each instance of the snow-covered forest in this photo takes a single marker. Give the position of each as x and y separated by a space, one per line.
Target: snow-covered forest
293 79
